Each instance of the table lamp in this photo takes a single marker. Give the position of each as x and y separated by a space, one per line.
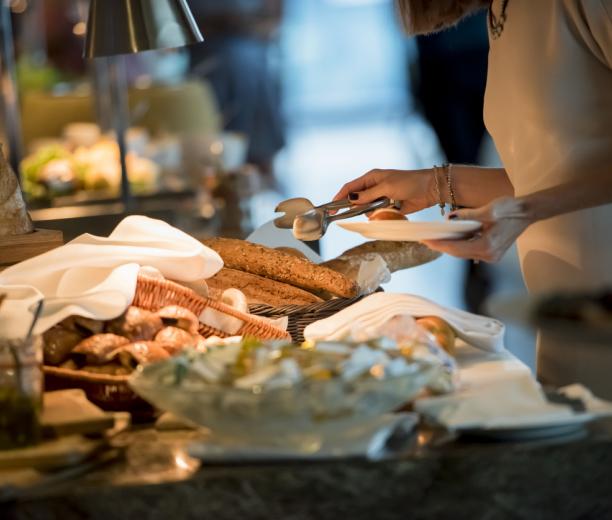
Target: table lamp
117 27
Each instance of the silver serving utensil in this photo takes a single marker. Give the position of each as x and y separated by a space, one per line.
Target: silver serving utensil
312 224
37 311
298 205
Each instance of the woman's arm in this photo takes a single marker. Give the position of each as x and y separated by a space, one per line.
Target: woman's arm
475 186
416 189
504 219
565 198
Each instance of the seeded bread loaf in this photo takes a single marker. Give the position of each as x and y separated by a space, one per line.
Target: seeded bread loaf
397 255
282 267
258 289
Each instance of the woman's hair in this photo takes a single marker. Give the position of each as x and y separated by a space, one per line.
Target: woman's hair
427 16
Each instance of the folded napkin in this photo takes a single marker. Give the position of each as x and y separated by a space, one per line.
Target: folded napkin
507 402
375 310
96 276
17 310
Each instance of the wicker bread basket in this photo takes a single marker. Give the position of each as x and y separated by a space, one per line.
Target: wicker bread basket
300 316
112 392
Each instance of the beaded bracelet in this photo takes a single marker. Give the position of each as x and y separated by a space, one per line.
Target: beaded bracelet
441 202
448 169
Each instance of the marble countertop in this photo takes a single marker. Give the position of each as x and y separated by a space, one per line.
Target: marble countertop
435 477
150 475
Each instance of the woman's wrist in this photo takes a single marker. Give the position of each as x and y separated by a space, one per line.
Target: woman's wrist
441 186
434 190
527 209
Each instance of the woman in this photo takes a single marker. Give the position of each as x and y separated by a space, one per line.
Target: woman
548 107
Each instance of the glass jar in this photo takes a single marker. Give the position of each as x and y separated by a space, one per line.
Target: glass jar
21 391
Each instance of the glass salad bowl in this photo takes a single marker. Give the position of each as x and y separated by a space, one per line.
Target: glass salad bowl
283 395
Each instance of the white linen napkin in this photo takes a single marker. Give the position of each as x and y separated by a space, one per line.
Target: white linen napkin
376 309
507 402
17 310
96 276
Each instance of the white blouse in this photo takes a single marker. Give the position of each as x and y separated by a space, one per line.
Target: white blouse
548 106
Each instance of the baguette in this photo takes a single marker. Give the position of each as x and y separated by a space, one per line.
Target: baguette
292 251
258 289
282 267
397 255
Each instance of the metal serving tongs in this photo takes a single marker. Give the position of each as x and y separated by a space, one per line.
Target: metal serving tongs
309 222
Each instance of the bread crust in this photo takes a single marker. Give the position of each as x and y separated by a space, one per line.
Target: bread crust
397 255
282 267
258 289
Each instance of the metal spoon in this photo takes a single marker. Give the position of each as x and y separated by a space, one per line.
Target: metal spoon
312 224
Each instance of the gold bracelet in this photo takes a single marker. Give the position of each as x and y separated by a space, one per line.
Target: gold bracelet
448 169
441 202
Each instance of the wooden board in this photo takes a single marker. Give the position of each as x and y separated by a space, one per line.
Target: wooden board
56 453
67 416
67 412
16 248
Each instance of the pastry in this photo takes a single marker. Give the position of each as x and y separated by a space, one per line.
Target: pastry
387 214
136 324
440 329
85 326
282 267
173 339
177 316
58 344
97 349
258 289
139 353
111 369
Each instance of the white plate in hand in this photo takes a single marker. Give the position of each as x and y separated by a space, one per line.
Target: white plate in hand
409 231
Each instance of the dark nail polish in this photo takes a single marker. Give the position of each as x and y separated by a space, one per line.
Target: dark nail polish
452 216
353 196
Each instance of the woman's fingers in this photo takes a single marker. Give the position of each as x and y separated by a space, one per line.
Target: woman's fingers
480 214
368 195
474 248
359 184
503 221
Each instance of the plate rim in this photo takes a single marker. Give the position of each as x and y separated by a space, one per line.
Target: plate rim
413 231
471 224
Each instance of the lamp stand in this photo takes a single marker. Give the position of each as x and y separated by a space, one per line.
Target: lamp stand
8 89
120 118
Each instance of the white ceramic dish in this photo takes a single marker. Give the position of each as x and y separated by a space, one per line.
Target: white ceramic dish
533 431
409 231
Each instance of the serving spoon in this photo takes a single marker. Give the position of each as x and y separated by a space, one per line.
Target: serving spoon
312 224
298 205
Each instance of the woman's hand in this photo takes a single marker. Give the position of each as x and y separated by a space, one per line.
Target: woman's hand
414 189
503 221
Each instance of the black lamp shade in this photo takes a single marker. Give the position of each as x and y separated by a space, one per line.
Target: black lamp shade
129 26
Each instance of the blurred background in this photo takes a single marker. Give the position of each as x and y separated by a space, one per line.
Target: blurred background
284 98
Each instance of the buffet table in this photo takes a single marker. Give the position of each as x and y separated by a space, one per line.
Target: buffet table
435 476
